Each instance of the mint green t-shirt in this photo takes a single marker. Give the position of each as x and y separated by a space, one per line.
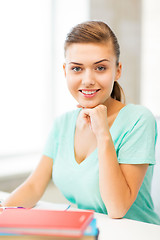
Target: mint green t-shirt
134 135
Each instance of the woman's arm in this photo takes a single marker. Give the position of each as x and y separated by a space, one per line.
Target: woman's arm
119 183
29 193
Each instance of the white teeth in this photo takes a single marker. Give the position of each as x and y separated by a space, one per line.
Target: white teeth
88 92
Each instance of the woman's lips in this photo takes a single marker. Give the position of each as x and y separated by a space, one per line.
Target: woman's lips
89 92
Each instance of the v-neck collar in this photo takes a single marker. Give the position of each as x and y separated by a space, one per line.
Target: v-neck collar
84 162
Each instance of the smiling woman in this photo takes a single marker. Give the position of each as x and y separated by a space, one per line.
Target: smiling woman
94 69
101 155
101 35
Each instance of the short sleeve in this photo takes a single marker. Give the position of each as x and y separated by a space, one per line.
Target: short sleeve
138 143
51 145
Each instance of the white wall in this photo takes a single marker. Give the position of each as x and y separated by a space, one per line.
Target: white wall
25 62
150 55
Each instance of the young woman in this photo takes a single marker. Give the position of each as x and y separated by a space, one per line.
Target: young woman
101 155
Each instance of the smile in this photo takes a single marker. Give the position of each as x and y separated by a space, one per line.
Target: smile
89 93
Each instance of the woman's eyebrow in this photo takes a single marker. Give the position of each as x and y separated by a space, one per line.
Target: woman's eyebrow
80 64
101 61
76 63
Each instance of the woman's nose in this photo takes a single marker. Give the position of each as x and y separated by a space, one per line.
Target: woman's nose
88 78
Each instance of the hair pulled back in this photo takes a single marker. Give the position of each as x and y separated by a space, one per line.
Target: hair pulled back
96 32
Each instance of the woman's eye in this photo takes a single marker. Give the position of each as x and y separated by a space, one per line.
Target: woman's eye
76 69
101 68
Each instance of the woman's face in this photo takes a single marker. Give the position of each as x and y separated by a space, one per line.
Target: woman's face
91 70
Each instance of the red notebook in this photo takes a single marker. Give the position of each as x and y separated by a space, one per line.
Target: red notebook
45 222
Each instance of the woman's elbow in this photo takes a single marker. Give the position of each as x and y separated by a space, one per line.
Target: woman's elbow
116 215
118 209
117 212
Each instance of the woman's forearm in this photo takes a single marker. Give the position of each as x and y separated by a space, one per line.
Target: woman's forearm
30 192
114 189
24 196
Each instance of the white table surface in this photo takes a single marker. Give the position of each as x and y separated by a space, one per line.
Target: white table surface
125 229
113 229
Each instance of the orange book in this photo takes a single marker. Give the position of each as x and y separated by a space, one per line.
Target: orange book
45 222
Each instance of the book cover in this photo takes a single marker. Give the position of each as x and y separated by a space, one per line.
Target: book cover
45 222
91 233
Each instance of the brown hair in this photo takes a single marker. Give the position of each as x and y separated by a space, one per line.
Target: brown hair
96 32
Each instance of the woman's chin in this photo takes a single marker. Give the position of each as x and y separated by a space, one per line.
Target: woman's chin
89 105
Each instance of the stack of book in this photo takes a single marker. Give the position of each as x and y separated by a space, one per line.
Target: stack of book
34 224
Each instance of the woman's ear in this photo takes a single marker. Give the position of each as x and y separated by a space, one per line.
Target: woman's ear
119 71
64 69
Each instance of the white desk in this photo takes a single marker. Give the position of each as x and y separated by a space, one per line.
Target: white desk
118 229
125 229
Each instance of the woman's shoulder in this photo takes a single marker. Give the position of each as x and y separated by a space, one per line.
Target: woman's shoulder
136 115
136 111
132 115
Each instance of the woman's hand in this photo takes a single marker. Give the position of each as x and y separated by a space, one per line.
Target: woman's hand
96 118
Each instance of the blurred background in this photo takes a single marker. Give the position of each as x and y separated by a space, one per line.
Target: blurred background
33 89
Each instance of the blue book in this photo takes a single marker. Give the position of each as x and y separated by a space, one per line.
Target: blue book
92 229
